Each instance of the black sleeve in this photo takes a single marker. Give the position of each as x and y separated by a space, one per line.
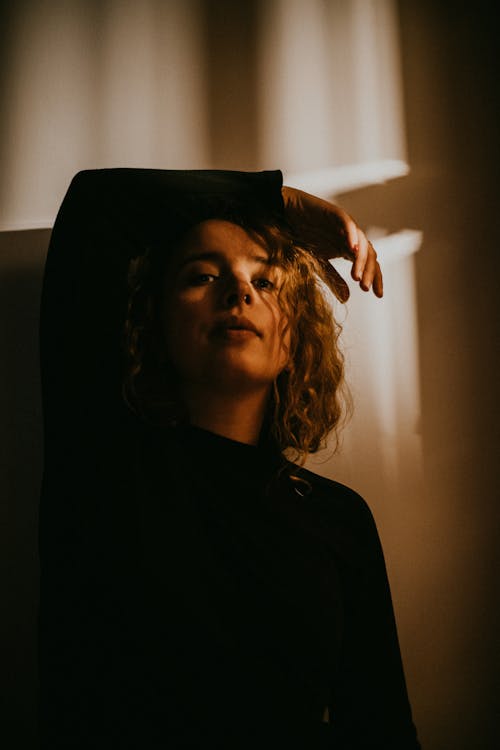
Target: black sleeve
370 707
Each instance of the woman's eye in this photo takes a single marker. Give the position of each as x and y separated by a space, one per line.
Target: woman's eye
199 279
263 284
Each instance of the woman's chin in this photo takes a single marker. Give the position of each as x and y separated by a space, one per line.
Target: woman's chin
237 374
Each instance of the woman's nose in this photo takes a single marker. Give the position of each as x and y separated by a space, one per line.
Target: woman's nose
237 292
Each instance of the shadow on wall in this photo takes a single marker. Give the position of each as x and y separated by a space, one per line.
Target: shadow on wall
22 257
451 194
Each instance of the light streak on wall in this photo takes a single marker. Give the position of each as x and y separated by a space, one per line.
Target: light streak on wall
380 342
330 87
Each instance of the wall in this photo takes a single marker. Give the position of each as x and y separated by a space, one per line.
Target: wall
449 605
22 255
441 535
191 84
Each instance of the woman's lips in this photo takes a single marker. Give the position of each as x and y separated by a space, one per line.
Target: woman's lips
235 334
235 328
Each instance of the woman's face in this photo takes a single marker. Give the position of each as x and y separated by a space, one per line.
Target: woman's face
223 325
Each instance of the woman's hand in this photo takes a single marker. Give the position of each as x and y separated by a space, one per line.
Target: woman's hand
333 234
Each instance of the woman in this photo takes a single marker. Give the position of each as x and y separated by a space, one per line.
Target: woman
197 588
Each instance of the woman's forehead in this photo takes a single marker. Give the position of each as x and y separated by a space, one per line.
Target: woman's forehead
217 237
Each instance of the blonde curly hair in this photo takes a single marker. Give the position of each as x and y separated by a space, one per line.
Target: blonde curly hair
309 399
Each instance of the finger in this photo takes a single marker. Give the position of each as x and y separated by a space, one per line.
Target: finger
336 283
378 283
351 229
369 271
372 274
361 252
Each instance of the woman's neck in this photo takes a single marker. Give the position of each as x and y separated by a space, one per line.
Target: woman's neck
235 416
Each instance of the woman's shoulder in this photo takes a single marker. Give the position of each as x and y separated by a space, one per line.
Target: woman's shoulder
337 506
321 490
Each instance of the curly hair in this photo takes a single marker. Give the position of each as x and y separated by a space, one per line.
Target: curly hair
309 398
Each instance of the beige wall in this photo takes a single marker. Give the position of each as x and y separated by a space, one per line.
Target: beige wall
440 533
444 533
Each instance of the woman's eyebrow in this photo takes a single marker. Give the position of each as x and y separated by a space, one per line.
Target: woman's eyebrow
218 256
